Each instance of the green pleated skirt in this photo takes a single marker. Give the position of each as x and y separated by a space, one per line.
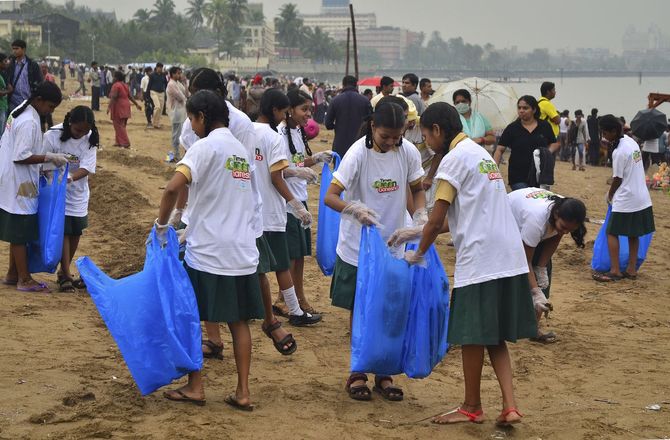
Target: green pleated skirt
343 285
75 225
17 228
299 239
279 247
631 224
265 257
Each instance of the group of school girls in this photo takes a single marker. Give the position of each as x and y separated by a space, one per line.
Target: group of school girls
238 200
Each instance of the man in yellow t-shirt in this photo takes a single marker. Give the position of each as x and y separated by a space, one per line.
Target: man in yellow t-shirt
548 111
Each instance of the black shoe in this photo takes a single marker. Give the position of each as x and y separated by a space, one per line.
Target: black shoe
304 319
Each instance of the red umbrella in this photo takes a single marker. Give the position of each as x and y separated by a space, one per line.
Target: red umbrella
374 82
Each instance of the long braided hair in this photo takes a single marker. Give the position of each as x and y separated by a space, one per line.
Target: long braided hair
270 100
80 113
45 90
296 98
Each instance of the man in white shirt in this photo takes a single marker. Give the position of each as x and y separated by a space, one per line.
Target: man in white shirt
148 102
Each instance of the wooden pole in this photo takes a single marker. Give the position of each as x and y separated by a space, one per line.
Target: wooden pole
348 37
353 31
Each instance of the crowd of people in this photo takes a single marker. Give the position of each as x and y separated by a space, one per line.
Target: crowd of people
418 170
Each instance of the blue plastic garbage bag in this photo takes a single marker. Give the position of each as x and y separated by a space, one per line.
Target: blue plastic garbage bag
45 254
381 308
426 336
328 226
601 256
152 315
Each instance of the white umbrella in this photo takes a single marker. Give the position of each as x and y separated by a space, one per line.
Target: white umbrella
494 100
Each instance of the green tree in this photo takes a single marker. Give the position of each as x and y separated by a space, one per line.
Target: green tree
142 16
36 7
195 12
163 14
216 14
319 46
256 17
289 26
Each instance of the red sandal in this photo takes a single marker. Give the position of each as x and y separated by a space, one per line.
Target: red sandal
504 415
473 417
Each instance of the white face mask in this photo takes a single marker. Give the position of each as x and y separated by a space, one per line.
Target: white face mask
462 107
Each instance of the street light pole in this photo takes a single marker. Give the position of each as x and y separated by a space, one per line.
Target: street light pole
93 47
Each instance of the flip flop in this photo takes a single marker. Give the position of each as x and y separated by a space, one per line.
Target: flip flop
606 277
473 417
39 287
504 414
232 401
181 397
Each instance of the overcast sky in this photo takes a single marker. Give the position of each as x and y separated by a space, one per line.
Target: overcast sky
526 24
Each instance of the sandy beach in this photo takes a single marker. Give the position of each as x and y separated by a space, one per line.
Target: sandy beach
63 376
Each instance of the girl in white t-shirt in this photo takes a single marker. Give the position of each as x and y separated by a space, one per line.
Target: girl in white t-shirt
21 155
77 137
297 175
543 219
632 215
221 255
375 175
491 300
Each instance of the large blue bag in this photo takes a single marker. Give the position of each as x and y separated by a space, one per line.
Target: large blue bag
152 315
45 254
426 336
601 256
381 308
328 226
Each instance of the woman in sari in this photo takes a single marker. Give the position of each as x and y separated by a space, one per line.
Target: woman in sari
119 109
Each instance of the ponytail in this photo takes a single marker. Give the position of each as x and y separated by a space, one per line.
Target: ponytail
78 114
45 90
571 210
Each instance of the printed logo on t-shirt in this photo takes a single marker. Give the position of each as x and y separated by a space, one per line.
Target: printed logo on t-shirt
487 166
637 156
298 159
259 155
542 194
239 167
8 124
385 185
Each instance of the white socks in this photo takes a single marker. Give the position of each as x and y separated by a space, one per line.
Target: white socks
291 301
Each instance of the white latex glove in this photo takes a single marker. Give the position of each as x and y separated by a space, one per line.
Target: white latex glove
58 159
361 213
540 302
175 217
161 233
420 217
304 173
324 156
296 208
414 257
403 235
181 235
541 276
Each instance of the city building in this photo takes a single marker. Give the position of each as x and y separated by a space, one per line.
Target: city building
336 7
10 5
651 40
391 43
259 34
13 26
336 24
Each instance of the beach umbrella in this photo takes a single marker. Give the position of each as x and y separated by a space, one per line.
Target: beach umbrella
494 100
374 81
648 124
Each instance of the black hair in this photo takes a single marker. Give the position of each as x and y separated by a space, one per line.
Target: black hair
204 78
532 103
386 81
547 87
571 210
45 90
19 43
579 112
461 92
349 81
148 69
622 119
387 114
297 97
446 117
270 100
395 100
594 112
412 78
80 113
174 69
119 76
94 63
367 92
211 105
159 65
565 113
611 123
3 56
423 82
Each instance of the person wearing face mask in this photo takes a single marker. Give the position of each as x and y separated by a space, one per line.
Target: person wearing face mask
475 125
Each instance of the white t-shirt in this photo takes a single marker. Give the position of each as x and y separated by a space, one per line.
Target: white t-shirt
650 146
563 125
144 83
632 195
379 180
297 186
270 151
19 184
221 206
243 129
486 237
77 195
531 208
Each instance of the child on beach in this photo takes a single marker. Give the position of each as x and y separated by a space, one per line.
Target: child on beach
381 159
21 154
491 301
632 215
297 176
77 137
543 219
221 254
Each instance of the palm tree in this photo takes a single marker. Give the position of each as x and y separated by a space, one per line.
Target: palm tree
142 16
237 12
256 16
319 45
289 26
163 12
216 14
195 12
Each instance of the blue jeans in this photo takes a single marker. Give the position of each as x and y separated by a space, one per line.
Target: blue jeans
518 185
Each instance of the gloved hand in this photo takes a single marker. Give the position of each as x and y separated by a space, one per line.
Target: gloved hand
541 276
296 208
540 302
175 217
304 173
58 159
161 233
403 235
361 213
181 235
323 156
420 217
414 257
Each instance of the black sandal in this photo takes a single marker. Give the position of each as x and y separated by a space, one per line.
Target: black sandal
65 285
216 351
391 392
79 283
360 392
288 340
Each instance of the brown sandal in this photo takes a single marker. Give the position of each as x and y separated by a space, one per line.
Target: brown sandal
360 392
391 393
216 351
